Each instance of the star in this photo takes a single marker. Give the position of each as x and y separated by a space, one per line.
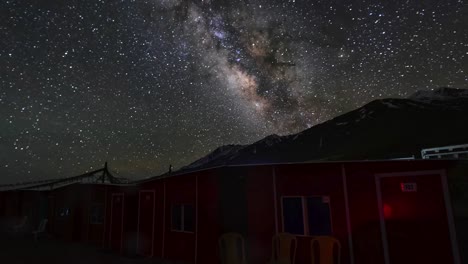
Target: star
145 84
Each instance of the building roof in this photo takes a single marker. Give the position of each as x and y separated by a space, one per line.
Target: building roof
100 176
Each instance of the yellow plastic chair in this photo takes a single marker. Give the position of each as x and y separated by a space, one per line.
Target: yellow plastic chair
232 249
326 244
284 249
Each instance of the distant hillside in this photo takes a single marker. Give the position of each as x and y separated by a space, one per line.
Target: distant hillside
381 129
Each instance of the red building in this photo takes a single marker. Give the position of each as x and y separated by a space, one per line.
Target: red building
381 212
74 207
402 211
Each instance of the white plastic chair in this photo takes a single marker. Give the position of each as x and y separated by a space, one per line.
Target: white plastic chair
41 229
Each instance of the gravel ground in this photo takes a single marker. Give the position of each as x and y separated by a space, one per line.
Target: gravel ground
46 250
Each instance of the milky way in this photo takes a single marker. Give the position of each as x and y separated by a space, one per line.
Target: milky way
145 84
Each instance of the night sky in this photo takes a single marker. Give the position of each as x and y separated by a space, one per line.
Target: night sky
148 83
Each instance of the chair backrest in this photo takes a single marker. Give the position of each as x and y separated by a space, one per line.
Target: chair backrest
326 246
42 225
232 249
284 248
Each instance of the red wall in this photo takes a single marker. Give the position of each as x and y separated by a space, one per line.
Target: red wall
130 222
325 179
12 203
77 226
158 187
179 246
66 197
314 180
291 180
208 218
128 236
94 231
183 246
201 246
261 217
16 204
365 225
2 204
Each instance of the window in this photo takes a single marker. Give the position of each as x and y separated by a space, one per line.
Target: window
63 212
307 215
96 214
183 218
293 215
318 216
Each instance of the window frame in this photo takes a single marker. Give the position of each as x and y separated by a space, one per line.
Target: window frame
58 212
305 213
182 215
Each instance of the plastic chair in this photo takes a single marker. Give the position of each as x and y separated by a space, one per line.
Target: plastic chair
40 229
281 249
232 249
326 244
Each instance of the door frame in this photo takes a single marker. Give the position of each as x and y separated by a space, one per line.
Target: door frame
448 208
112 217
153 219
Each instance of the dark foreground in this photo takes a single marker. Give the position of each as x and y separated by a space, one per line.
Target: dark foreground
51 251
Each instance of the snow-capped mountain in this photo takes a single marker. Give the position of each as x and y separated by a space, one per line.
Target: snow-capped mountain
381 129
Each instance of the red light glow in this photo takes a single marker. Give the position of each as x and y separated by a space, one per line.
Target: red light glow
387 211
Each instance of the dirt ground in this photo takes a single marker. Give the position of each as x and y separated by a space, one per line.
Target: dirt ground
15 250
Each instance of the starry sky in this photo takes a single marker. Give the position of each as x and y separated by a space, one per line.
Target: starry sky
148 83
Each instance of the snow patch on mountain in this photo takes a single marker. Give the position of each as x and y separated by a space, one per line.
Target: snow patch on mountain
217 154
440 94
270 140
390 104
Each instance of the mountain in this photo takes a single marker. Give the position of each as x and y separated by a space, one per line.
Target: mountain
381 129
224 153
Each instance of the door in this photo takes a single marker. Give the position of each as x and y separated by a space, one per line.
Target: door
415 220
116 224
146 203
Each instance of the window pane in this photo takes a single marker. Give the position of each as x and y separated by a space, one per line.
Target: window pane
97 214
176 217
293 216
318 214
189 218
63 212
